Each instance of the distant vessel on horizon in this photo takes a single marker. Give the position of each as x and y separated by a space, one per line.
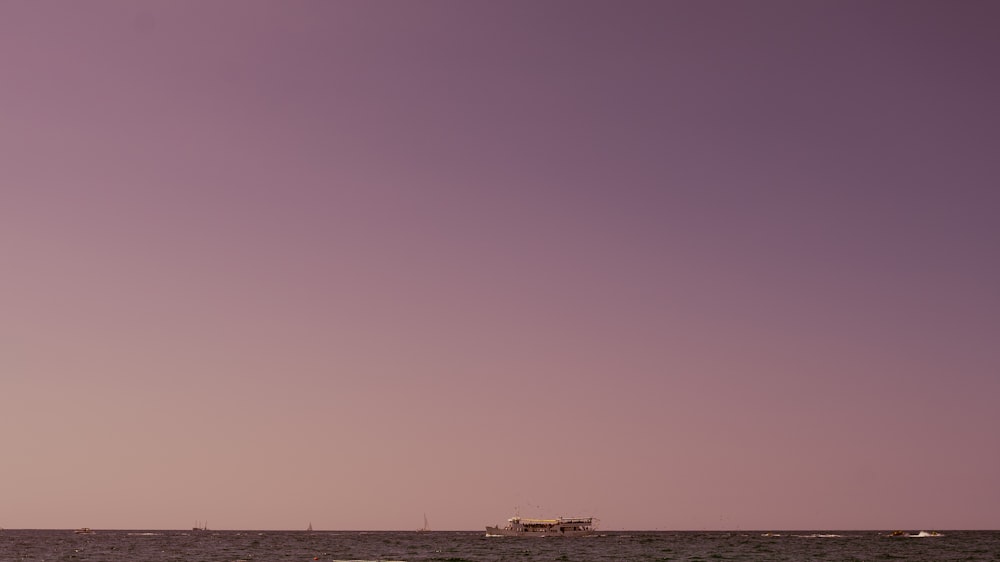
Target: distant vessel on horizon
559 527
920 534
425 528
200 527
310 528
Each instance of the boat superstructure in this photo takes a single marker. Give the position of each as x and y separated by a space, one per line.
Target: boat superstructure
560 527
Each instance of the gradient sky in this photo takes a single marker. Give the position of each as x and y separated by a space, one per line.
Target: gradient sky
676 264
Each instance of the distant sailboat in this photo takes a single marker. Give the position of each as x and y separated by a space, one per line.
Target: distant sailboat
310 526
200 526
425 527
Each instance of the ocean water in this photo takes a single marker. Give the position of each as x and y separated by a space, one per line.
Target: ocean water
442 546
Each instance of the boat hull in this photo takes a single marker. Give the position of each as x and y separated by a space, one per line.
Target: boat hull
504 532
518 526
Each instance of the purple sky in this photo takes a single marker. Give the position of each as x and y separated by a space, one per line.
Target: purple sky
676 264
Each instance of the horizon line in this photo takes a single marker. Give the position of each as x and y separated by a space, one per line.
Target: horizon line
622 530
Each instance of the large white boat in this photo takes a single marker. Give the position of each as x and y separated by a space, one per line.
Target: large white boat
561 527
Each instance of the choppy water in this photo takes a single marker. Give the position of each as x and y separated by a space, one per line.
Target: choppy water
230 546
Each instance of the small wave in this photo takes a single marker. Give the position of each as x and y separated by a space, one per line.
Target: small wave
145 534
820 536
926 534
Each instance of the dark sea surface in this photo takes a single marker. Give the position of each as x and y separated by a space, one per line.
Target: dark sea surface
443 546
